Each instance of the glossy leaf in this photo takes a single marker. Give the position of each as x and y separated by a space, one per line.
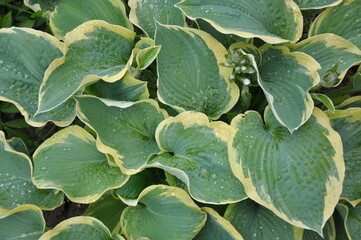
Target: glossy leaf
179 217
297 176
249 18
199 82
316 4
63 19
70 161
22 70
195 151
125 130
94 50
286 78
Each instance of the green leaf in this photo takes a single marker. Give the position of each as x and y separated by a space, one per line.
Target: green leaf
125 130
108 210
217 228
126 89
316 4
18 145
249 18
348 124
146 56
325 100
297 176
17 123
329 232
69 14
22 70
286 78
94 50
352 102
255 222
70 162
6 20
199 82
196 152
352 220
163 213
343 20
144 14
330 51
16 187
81 228
25 222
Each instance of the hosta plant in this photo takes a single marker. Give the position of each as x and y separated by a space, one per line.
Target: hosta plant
177 120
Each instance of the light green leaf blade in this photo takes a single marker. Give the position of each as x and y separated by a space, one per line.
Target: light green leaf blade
146 56
16 187
125 130
329 232
325 100
348 124
25 222
199 82
316 4
108 210
217 228
126 89
352 102
343 20
298 176
70 162
196 152
24 56
94 50
285 78
144 14
330 51
163 213
255 222
69 14
249 18
352 220
80 228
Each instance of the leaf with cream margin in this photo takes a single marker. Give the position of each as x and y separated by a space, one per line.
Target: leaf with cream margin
24 57
352 220
256 222
330 51
196 151
191 75
125 130
329 232
163 213
70 162
286 77
144 14
16 187
298 176
343 20
25 222
352 102
274 21
348 124
316 4
94 50
69 14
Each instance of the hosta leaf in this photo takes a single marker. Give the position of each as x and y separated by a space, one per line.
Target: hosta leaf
144 14
297 176
108 210
16 187
43 5
163 213
80 228
146 56
94 50
325 100
124 130
352 102
274 21
24 56
352 220
70 161
285 78
217 228
255 222
126 89
330 51
18 145
69 14
348 124
343 20
329 232
199 82
316 4
25 222
195 151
